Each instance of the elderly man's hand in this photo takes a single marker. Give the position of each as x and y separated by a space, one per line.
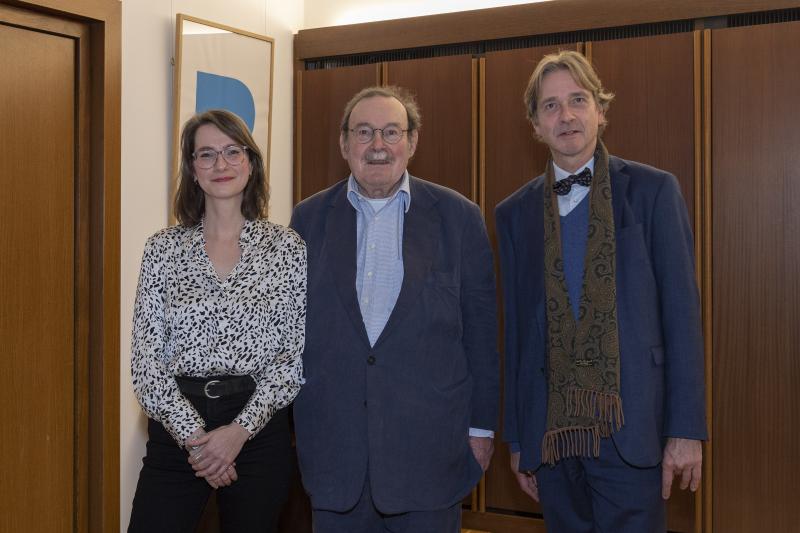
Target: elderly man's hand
684 458
482 449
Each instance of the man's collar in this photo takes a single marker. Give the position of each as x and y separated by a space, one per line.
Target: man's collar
561 174
354 194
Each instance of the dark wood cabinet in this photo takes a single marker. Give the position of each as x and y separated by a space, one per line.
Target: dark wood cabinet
652 117
755 236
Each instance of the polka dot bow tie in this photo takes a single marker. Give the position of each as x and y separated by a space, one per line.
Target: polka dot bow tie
584 177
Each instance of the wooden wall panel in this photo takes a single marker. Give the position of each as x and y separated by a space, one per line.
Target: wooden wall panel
445 92
321 97
756 279
651 120
512 158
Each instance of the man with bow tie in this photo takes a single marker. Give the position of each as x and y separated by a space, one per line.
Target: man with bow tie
604 390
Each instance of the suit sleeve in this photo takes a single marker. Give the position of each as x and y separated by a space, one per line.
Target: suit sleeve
479 319
674 268
510 339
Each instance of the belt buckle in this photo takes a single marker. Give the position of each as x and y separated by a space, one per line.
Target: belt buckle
207 385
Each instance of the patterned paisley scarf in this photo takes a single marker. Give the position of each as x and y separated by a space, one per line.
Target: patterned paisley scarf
584 403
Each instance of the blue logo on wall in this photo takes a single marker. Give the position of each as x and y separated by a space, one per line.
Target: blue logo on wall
222 92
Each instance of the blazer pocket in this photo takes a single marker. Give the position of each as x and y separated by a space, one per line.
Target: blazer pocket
658 355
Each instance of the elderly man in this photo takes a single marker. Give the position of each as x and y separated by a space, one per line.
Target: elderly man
603 347
394 423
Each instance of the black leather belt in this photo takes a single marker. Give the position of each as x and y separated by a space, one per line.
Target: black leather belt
215 386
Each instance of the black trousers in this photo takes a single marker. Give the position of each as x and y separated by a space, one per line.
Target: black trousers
170 498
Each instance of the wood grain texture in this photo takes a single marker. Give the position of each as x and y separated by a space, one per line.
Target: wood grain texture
512 21
756 280
105 42
444 91
83 281
324 95
37 273
707 288
651 119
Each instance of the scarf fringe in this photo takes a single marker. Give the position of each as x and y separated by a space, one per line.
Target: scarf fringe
603 407
570 442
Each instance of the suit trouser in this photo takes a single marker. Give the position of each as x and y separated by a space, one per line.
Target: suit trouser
170 498
366 518
602 495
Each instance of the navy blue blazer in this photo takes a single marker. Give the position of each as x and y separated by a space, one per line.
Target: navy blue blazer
401 410
658 312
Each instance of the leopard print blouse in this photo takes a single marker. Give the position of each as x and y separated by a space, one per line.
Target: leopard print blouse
188 322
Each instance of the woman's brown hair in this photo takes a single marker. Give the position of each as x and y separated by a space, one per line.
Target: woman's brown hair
190 205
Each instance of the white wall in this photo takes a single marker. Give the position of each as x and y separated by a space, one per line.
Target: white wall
147 46
321 13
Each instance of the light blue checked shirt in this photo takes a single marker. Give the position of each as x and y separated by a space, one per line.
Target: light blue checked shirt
379 253
379 258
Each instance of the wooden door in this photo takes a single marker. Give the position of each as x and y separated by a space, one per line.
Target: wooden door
44 346
756 277
321 97
446 90
652 120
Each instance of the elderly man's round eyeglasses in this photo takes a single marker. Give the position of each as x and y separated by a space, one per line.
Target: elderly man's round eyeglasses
206 158
390 134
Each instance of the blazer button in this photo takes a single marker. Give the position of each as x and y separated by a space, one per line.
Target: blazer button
371 360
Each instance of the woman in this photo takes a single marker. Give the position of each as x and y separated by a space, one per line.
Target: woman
218 331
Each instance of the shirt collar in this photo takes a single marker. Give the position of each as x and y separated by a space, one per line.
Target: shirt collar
561 174
354 195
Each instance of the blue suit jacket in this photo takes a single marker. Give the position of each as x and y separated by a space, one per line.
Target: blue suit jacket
401 409
658 313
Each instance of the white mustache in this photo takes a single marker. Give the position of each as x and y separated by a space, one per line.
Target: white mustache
377 156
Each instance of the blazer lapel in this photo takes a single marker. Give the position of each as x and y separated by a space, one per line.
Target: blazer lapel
340 239
420 228
619 193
